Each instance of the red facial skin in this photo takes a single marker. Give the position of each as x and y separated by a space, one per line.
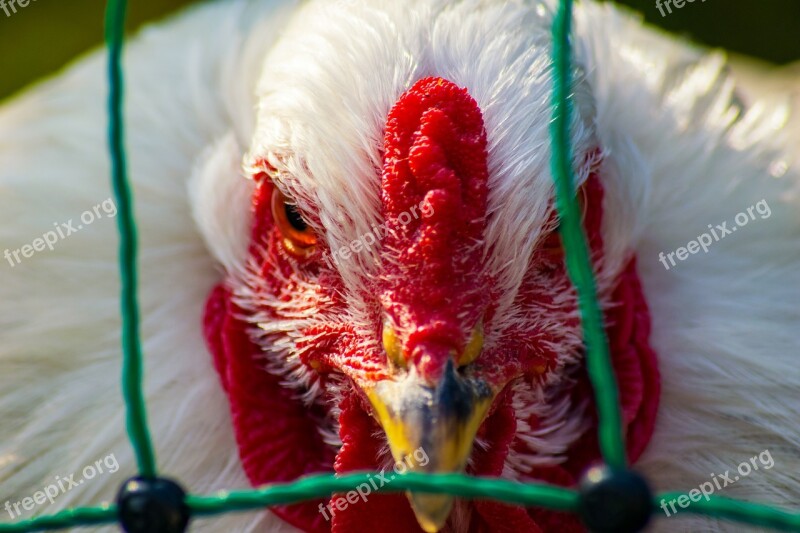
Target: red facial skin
434 291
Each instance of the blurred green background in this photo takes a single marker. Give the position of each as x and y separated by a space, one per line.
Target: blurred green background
45 35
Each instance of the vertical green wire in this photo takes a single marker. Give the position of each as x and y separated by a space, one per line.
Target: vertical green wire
577 258
131 345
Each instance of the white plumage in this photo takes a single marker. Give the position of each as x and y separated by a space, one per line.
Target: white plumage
228 81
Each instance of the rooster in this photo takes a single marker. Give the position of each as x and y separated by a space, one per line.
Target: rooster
350 261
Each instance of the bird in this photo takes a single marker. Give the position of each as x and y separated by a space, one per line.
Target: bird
350 261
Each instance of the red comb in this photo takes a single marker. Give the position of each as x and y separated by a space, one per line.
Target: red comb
434 191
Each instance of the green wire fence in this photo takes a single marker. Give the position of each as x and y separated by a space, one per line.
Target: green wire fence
317 486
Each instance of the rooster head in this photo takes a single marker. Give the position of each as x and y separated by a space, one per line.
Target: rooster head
404 288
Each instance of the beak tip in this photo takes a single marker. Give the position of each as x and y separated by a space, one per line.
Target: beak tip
431 510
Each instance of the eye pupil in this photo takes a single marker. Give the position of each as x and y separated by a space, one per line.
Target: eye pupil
298 238
294 218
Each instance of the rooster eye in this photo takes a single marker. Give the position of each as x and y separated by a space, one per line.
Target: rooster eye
298 237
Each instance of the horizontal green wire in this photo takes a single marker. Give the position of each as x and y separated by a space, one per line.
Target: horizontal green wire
318 486
579 266
312 487
81 517
755 514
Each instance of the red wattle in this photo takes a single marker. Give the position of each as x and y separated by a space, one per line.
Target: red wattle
360 452
636 369
276 435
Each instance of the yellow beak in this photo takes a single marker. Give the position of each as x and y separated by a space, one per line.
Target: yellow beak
431 429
